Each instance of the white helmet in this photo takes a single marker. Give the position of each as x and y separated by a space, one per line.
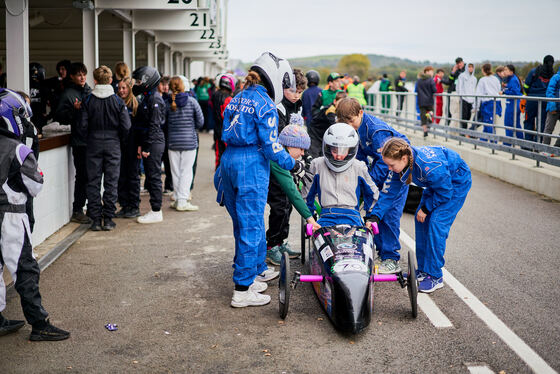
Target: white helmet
276 74
185 83
340 145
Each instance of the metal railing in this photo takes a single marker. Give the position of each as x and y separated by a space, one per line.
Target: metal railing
399 108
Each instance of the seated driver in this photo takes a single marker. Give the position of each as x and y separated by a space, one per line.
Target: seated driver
340 181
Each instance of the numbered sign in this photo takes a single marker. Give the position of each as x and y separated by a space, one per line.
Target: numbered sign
172 21
146 4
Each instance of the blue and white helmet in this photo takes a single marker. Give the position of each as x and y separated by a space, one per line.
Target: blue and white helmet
13 109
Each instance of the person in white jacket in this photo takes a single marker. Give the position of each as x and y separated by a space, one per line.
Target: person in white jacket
488 107
466 85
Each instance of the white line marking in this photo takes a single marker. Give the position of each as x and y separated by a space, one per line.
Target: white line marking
431 310
480 369
526 353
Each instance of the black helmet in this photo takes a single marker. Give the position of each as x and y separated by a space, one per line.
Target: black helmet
147 78
37 72
312 77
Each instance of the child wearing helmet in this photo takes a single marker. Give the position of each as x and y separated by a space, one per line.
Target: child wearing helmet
151 143
388 211
250 130
22 178
446 179
341 181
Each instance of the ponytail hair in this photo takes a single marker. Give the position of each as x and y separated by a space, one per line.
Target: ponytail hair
395 149
252 79
176 86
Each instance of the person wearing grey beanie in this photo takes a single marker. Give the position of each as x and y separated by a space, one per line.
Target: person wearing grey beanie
283 193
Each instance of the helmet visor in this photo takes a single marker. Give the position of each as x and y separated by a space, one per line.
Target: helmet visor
339 156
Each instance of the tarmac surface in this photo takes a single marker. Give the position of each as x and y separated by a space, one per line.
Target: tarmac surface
168 287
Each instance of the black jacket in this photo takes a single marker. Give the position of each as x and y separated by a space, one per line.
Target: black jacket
426 88
150 119
66 114
285 109
104 116
451 80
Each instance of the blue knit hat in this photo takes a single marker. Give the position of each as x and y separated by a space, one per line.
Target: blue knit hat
294 136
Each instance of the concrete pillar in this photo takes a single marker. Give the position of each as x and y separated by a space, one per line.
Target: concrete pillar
167 61
152 53
156 59
177 66
90 41
133 49
128 53
187 67
17 44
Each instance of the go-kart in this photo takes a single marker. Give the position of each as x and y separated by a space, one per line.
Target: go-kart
340 266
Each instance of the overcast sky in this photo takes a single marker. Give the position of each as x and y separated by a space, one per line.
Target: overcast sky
435 30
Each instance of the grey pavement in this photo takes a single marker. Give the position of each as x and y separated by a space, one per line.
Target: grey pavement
168 286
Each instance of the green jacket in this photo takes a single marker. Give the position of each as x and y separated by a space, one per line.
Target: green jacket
286 181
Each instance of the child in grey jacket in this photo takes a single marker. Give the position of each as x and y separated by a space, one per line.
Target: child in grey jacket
341 181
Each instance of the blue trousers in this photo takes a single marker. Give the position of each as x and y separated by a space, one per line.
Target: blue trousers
245 173
486 115
387 241
431 235
510 121
339 216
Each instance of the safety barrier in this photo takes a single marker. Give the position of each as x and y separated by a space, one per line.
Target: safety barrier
400 108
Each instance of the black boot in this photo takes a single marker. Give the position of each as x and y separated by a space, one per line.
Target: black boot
132 213
8 326
96 225
108 224
44 331
121 213
80 217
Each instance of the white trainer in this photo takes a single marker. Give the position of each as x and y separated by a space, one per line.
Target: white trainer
151 217
267 275
184 205
242 299
173 204
258 286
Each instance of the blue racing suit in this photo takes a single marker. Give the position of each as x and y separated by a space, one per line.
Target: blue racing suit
447 181
250 130
373 134
514 89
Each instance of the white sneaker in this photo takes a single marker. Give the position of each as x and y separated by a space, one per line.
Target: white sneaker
151 217
267 275
173 204
242 299
184 205
258 286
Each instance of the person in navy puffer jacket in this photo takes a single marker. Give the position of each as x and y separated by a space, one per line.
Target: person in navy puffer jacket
183 118
536 84
250 130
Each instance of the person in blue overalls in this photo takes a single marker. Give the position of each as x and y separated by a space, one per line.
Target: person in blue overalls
387 212
250 130
446 179
512 88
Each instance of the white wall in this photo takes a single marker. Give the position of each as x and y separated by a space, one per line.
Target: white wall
53 205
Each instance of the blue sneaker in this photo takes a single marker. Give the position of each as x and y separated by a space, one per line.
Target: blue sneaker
285 247
429 284
420 275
